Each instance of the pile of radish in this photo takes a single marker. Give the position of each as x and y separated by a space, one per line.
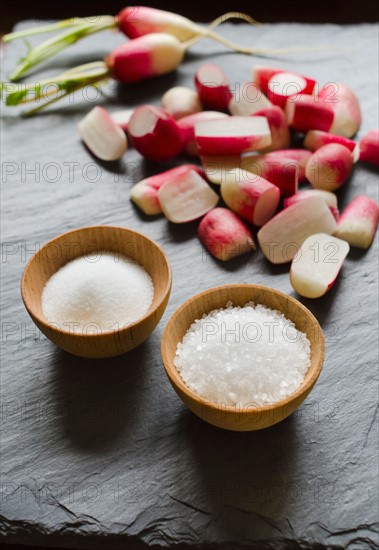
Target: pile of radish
244 147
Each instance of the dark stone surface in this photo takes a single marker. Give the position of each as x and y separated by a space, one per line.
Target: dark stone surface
100 454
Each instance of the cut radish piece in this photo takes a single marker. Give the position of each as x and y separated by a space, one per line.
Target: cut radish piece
316 265
248 100
122 118
186 197
283 86
102 136
224 234
281 172
369 147
345 105
316 139
358 222
213 87
309 113
181 101
215 167
284 234
232 135
329 167
145 193
155 133
280 133
263 74
327 196
252 197
301 156
187 127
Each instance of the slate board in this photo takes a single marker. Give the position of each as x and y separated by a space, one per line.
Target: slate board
102 453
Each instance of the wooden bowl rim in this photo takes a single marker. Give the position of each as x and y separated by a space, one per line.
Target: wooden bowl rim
303 388
104 333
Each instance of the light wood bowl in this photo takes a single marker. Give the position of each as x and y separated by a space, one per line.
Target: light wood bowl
241 418
89 240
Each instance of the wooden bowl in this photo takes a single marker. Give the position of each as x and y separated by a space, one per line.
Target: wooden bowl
87 241
236 417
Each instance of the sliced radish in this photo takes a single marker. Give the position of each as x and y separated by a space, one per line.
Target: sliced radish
248 100
329 198
215 167
281 172
329 167
316 139
345 106
301 156
145 193
232 135
284 234
186 197
285 85
280 133
369 147
180 101
252 197
224 234
316 265
309 113
155 133
262 75
213 87
102 136
187 127
358 222
122 118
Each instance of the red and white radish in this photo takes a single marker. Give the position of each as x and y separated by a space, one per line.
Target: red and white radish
186 197
317 264
281 172
224 235
308 113
329 167
217 167
155 134
122 118
262 75
345 106
232 135
213 87
252 197
329 198
282 236
300 156
145 193
248 100
180 101
280 133
187 127
285 85
316 139
369 147
102 136
358 222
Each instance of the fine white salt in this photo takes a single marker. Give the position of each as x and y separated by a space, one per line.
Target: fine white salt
96 294
249 355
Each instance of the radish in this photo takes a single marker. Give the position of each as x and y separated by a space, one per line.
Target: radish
358 222
316 265
309 113
102 135
248 100
329 167
329 198
283 235
145 193
281 172
155 134
300 156
284 85
252 197
186 197
217 167
134 21
187 128
181 101
280 133
369 147
262 74
213 87
122 118
316 139
224 234
345 106
232 135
